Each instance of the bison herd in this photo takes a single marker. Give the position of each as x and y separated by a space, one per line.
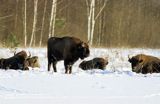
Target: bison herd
70 49
19 61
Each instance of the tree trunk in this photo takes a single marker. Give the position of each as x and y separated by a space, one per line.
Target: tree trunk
92 22
92 18
42 29
25 23
34 22
89 12
16 16
52 19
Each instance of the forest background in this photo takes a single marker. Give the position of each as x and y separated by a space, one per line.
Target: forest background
102 23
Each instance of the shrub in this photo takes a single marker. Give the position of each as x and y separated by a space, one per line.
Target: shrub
12 41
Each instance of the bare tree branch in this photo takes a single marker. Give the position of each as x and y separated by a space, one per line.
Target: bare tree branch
101 9
4 17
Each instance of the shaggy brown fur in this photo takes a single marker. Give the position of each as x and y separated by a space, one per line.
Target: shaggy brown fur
144 64
15 62
32 62
96 63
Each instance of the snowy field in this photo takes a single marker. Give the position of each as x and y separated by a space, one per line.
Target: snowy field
116 85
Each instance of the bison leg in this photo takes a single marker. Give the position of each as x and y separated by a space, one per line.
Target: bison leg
49 65
68 67
54 66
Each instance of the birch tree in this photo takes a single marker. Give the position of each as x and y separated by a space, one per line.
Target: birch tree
16 16
101 25
25 23
34 22
92 17
53 18
42 28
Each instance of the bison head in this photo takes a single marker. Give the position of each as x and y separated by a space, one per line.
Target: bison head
136 63
32 62
83 50
82 65
22 59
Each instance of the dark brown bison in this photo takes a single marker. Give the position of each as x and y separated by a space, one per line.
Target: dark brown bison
144 64
15 62
32 62
69 49
1 62
96 63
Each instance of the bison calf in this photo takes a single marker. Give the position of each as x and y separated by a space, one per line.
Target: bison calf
96 63
69 49
144 64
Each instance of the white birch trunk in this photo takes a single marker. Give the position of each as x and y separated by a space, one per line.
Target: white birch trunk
92 22
34 22
16 16
44 12
89 10
52 19
25 23
92 19
89 18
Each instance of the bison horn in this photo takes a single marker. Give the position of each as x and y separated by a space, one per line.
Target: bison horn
82 44
14 53
129 57
29 54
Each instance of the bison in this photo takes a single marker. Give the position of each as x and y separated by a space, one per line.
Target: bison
95 63
32 62
69 49
15 62
144 64
1 62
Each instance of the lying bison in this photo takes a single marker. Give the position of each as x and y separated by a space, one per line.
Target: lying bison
69 49
32 62
144 64
15 62
96 63
1 63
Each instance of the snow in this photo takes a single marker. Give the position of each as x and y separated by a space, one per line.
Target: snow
115 85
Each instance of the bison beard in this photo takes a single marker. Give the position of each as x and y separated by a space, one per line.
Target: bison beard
69 49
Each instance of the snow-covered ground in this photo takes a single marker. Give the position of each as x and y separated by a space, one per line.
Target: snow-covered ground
116 85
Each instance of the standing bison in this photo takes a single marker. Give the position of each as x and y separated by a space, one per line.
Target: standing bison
144 64
96 63
69 49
